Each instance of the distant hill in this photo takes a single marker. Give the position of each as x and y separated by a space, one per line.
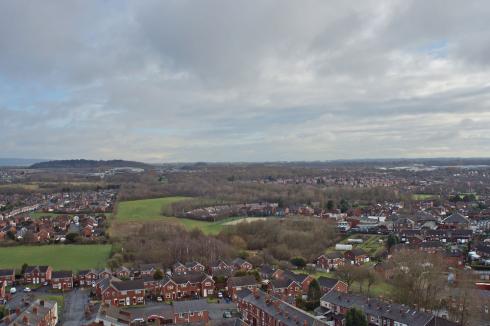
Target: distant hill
87 164
19 161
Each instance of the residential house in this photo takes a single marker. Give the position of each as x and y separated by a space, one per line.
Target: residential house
235 284
456 221
330 261
266 272
39 313
241 264
337 304
37 274
357 256
191 311
8 276
285 288
327 284
87 278
262 309
124 293
62 280
193 284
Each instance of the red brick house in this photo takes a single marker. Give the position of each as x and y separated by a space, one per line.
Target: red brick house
195 266
7 275
106 273
330 261
284 288
327 284
179 268
241 264
235 284
190 312
357 256
37 274
122 272
87 278
304 280
62 280
124 293
193 284
262 309
168 289
219 267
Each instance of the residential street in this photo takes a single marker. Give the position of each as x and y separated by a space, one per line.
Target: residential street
74 309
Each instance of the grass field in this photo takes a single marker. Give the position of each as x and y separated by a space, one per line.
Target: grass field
71 257
145 209
40 214
424 196
150 210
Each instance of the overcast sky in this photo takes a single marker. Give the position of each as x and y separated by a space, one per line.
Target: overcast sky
206 80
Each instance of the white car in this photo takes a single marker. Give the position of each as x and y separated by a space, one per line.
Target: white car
13 290
159 299
27 289
220 295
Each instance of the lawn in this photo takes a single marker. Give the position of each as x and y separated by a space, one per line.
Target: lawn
39 214
58 298
145 209
150 210
424 196
70 257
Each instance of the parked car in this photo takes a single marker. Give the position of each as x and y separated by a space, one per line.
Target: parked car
159 299
13 290
27 289
227 314
220 295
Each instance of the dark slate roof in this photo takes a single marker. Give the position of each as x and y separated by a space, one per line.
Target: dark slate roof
375 307
238 261
190 306
455 218
242 280
191 264
358 252
296 277
282 283
333 255
129 285
285 313
42 269
327 282
7 272
266 269
61 274
190 277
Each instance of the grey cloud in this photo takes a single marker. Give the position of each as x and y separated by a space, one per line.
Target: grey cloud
244 80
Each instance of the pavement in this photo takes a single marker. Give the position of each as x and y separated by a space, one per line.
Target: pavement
74 307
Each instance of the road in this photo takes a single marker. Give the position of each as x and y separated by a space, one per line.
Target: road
74 310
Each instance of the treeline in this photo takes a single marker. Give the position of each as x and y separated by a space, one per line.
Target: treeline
230 192
280 240
165 243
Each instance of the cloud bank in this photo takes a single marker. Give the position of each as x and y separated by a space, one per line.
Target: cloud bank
219 80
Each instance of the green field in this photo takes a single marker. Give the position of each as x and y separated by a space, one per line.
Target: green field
150 210
424 196
145 209
70 257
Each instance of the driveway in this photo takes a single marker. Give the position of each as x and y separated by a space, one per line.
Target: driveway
74 310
